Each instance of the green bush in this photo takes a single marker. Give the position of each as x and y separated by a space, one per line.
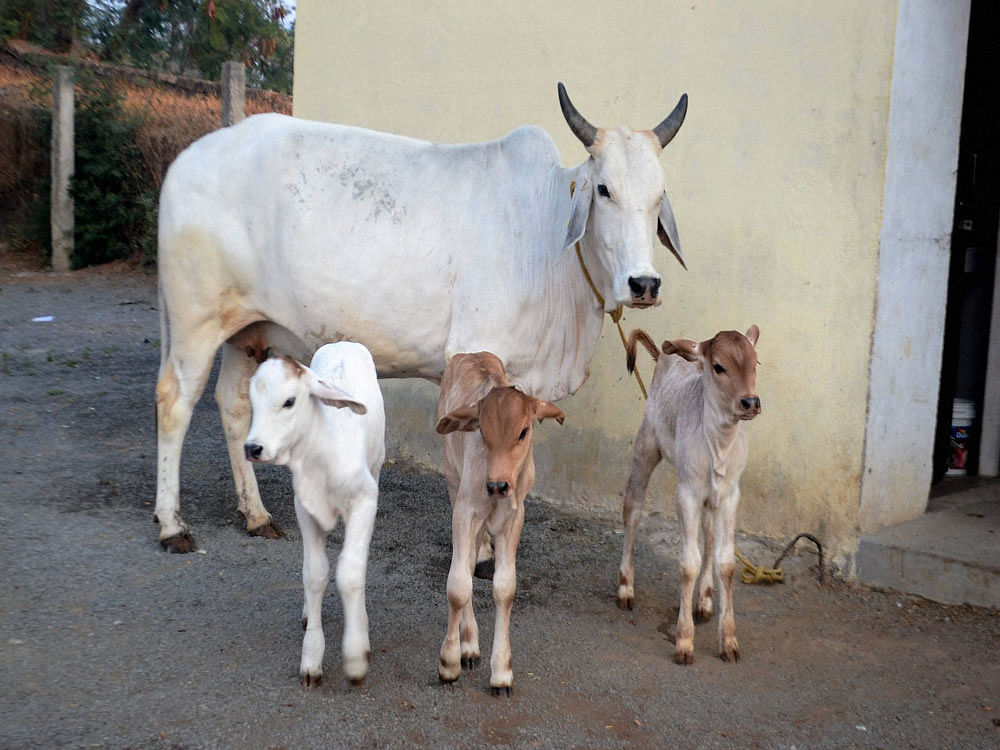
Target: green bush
115 198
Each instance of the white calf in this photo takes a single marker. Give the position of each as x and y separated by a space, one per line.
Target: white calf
488 464
335 454
697 403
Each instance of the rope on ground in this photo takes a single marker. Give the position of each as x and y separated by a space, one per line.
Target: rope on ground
758 573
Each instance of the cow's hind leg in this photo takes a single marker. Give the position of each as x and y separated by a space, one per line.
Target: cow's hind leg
232 397
183 374
645 456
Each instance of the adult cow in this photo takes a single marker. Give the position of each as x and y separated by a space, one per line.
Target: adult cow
286 234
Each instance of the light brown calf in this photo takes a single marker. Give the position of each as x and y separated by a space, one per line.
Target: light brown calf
698 401
487 425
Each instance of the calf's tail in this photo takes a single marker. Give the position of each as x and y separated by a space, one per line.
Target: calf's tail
639 336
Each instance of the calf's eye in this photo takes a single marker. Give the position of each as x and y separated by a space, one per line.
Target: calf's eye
718 368
523 434
602 190
289 403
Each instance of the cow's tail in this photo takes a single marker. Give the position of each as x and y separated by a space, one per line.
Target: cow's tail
639 336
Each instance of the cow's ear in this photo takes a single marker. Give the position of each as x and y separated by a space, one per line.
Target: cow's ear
682 347
334 396
545 410
753 333
666 230
462 419
579 209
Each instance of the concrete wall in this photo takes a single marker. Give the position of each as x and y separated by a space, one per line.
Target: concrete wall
776 179
914 251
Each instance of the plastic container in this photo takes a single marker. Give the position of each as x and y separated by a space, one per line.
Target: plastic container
963 414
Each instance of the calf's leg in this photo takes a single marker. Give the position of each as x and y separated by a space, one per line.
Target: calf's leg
688 511
315 576
504 586
351 571
703 612
645 456
461 620
725 564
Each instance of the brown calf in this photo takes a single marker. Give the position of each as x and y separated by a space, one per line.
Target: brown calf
489 471
698 401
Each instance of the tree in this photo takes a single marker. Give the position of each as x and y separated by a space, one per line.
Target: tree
52 24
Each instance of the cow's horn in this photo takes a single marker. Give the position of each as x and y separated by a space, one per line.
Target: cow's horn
577 123
667 129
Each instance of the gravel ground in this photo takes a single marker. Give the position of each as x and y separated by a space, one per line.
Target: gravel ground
107 641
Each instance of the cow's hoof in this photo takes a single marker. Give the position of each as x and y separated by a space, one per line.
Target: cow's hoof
504 690
684 656
356 681
470 662
484 570
310 681
269 530
178 543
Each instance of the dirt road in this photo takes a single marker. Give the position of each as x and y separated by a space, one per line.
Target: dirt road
105 640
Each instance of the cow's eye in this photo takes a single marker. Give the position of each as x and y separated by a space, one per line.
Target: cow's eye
602 190
289 403
523 434
718 368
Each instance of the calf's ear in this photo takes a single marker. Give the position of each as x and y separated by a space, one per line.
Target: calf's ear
331 395
462 419
546 410
666 230
753 333
683 347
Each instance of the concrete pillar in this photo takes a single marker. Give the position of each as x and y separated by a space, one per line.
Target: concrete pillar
234 82
62 167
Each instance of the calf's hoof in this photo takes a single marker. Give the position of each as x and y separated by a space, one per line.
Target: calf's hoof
684 655
730 650
501 690
355 670
484 570
310 681
269 530
626 597
448 671
178 543
470 662
703 612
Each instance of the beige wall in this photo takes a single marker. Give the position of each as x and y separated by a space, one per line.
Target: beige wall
776 181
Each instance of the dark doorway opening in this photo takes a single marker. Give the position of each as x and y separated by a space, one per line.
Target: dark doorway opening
973 249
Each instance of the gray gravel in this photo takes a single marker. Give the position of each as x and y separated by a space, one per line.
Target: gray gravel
107 641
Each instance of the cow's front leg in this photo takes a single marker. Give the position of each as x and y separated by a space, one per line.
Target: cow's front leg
725 564
233 400
504 586
645 456
453 650
351 570
315 576
688 511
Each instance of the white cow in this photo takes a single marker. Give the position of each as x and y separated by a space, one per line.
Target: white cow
694 418
286 234
326 423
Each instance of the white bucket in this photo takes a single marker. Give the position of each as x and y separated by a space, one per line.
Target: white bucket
963 414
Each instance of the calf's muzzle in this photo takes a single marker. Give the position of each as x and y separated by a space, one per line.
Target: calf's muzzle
252 451
497 489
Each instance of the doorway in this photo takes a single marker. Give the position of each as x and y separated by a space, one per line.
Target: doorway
972 269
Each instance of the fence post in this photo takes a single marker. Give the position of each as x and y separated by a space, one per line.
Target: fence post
63 165
234 81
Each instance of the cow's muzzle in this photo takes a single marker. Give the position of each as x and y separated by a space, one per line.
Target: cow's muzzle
645 291
253 451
